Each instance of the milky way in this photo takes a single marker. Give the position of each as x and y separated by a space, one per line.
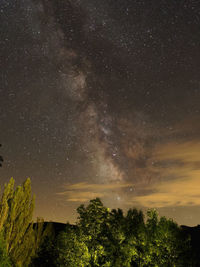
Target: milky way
96 96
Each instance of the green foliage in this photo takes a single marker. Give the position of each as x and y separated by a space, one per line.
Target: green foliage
165 242
43 236
41 232
106 232
46 255
100 238
134 238
72 248
110 238
93 222
4 258
16 209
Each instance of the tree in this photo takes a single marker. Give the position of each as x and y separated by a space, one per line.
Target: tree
4 258
109 238
166 244
41 232
134 244
93 222
115 238
72 248
46 254
44 236
16 209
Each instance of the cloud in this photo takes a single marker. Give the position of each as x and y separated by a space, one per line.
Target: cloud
180 192
79 196
179 165
185 151
177 159
82 192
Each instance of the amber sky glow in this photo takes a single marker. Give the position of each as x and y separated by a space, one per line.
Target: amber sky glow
182 191
185 189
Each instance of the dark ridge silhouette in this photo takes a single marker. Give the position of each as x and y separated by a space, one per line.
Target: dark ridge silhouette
194 233
57 227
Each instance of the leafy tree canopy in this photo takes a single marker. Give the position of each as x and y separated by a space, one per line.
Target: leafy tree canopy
104 237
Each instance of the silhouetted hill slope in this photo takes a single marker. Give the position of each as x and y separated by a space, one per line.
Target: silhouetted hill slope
57 227
194 234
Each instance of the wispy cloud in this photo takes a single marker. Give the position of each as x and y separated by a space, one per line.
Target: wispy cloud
180 192
82 192
177 165
181 162
185 151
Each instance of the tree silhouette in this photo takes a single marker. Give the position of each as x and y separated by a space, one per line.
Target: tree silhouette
1 159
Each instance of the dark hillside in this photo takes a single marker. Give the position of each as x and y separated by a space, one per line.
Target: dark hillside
194 234
57 227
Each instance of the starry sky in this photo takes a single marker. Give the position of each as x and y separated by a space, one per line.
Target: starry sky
101 98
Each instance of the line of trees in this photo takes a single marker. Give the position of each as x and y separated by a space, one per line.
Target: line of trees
100 237
103 237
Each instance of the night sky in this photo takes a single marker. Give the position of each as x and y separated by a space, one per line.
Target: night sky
101 98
